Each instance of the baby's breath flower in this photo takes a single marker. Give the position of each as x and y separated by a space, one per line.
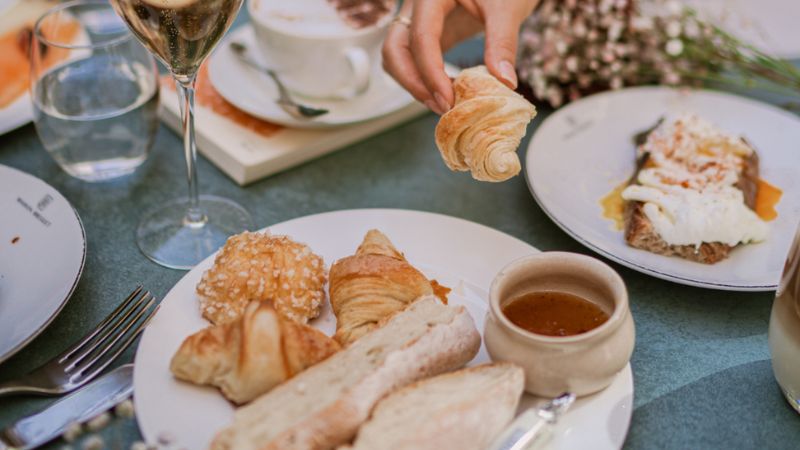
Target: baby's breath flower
571 48
673 28
674 47
571 63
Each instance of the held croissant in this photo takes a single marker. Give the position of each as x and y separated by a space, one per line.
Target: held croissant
372 284
251 355
482 131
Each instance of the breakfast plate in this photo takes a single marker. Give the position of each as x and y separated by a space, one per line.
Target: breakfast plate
254 93
42 252
584 150
189 415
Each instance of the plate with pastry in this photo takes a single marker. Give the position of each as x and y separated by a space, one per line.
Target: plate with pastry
697 187
16 26
348 330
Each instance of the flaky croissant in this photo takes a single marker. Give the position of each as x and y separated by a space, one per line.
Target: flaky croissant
372 284
251 355
482 131
264 267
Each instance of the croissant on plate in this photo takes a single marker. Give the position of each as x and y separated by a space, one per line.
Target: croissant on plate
482 131
251 355
372 284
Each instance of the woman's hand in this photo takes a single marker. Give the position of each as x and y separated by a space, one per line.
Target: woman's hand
412 52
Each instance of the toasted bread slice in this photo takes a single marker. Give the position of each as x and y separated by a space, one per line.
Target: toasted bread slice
640 233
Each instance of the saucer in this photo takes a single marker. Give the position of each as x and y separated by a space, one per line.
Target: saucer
255 93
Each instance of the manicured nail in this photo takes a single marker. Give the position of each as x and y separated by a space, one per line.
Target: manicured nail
443 105
433 107
507 73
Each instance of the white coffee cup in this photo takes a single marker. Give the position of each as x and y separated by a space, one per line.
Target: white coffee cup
313 51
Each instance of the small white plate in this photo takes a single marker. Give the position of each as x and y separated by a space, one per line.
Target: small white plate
255 93
770 25
20 111
582 151
460 254
42 251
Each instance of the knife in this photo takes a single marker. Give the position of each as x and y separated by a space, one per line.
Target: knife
77 407
532 428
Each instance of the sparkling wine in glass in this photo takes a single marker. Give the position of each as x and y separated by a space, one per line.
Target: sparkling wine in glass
181 34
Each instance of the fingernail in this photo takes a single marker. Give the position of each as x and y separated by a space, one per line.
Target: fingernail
507 73
443 105
433 106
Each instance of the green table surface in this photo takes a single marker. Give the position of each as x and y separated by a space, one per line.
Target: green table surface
701 364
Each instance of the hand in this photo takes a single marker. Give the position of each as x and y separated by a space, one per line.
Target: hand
412 54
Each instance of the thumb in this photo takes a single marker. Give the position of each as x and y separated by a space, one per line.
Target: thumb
500 54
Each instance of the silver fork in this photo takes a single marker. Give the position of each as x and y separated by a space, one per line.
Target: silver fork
85 359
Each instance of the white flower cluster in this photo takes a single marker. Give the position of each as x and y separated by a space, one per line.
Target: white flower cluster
571 48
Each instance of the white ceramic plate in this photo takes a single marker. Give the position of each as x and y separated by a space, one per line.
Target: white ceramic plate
460 254
42 251
770 25
584 150
254 93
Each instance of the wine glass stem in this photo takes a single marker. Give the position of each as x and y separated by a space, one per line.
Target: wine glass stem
195 216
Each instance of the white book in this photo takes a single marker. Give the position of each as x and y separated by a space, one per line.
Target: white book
232 142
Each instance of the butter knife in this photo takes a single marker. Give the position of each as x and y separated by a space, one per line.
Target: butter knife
79 406
533 428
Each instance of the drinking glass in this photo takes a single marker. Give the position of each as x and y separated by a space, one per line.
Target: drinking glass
94 90
181 33
784 328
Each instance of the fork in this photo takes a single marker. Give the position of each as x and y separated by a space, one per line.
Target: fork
85 359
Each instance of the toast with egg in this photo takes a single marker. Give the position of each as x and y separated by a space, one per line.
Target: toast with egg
689 159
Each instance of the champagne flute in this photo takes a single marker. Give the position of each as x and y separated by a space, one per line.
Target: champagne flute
181 34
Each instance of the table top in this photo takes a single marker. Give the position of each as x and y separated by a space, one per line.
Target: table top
701 364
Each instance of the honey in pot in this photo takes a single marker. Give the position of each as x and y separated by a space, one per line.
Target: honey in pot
554 313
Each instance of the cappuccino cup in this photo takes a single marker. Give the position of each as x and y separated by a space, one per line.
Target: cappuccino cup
314 50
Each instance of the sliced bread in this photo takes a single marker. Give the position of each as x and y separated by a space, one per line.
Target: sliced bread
323 407
462 410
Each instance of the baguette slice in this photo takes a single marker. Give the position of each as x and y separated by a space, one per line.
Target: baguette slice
323 407
462 410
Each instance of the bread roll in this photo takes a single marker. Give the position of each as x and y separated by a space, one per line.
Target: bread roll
482 131
267 268
323 407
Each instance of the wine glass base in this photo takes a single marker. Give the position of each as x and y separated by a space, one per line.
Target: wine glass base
166 236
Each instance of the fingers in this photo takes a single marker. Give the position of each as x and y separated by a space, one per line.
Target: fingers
502 28
426 33
398 62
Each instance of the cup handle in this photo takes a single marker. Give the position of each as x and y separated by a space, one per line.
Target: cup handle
359 64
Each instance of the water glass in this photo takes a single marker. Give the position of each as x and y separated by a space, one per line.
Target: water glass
94 89
784 328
